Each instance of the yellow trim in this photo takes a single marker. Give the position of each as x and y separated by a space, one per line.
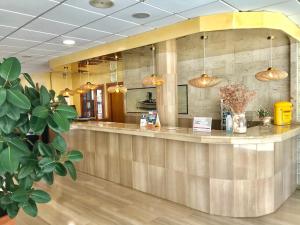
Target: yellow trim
224 21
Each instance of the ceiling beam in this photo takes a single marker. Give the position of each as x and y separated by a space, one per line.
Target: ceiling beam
217 22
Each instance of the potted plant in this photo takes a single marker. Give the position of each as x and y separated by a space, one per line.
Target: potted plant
24 110
265 116
237 98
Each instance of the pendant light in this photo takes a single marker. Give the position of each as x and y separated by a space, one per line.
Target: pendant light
271 73
66 92
80 90
117 88
153 79
204 80
89 85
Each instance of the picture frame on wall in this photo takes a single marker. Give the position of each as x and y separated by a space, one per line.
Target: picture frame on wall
143 100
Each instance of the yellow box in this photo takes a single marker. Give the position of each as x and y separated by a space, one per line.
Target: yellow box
283 113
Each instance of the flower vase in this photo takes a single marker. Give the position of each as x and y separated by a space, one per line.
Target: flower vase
239 123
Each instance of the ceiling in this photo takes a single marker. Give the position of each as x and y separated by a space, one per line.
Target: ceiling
33 30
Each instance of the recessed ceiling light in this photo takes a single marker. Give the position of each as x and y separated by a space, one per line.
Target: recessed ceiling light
140 15
102 4
69 42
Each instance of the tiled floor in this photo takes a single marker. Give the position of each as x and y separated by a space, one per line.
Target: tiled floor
93 201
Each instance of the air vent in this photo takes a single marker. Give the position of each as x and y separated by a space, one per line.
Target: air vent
102 4
140 15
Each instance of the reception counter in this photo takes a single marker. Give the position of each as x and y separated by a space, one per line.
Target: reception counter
245 175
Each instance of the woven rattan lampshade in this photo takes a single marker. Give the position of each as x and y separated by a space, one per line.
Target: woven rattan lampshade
271 73
67 92
117 89
153 80
89 86
205 80
81 90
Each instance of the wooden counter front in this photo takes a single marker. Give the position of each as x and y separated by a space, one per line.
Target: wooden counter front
221 178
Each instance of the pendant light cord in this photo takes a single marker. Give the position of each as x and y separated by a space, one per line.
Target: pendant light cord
271 50
204 51
153 59
116 57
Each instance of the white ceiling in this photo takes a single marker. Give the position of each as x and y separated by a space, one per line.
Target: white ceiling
33 30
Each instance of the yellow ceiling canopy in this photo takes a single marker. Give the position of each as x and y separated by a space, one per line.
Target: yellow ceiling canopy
224 21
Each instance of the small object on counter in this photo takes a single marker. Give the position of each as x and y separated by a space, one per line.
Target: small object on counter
283 113
143 121
237 97
202 124
239 123
264 116
153 119
229 124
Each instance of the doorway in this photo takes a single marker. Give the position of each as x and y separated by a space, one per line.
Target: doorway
115 105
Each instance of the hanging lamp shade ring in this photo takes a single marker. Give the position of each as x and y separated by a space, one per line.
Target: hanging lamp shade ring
153 80
117 89
271 73
89 86
67 92
204 81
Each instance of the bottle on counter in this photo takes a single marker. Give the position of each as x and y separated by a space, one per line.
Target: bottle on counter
143 121
229 124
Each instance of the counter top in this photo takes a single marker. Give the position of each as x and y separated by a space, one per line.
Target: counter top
254 135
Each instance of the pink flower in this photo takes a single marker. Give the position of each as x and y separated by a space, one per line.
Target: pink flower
236 96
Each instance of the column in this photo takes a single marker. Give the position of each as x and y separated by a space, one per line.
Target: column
167 100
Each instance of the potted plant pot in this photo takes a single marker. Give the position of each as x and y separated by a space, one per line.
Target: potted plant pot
5 220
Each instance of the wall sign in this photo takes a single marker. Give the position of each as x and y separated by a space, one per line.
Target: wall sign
202 124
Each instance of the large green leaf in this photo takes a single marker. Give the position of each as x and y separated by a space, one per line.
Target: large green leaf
29 80
47 165
71 169
30 208
12 210
20 196
40 196
37 124
14 114
2 95
7 124
61 99
44 149
61 121
52 125
60 169
41 112
10 69
5 108
19 146
59 143
48 178
44 96
68 111
26 170
18 99
26 183
75 155
9 160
